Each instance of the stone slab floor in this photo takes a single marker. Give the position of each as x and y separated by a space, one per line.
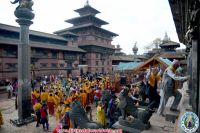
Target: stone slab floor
159 125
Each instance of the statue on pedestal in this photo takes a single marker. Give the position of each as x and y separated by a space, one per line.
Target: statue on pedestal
79 118
24 4
132 117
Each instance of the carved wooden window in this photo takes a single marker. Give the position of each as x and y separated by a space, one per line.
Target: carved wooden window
43 65
76 65
103 70
45 53
54 65
97 63
69 64
103 63
10 52
108 63
11 65
54 54
1 52
70 56
62 65
97 55
40 53
1 66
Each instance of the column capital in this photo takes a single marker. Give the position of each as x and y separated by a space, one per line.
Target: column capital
24 16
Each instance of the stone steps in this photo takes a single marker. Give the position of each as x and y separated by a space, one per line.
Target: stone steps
171 115
3 90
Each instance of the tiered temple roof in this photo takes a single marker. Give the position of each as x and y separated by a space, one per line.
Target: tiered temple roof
87 9
169 45
87 19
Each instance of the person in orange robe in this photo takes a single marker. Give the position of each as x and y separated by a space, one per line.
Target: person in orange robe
83 98
51 104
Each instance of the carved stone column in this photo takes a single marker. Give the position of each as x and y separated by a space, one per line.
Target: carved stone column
24 16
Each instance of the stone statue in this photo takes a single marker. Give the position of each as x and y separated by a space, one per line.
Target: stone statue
79 118
24 4
106 95
127 107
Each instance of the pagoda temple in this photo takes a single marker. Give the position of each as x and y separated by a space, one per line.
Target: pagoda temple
168 45
92 38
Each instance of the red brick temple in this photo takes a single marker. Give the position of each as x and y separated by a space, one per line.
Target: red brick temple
84 47
50 54
95 40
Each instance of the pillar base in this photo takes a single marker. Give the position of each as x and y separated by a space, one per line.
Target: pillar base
18 123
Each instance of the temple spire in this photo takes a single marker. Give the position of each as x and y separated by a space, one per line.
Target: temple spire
166 38
87 3
135 49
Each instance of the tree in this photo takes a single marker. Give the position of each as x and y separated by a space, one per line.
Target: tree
154 44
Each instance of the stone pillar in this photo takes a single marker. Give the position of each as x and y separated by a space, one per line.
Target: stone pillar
195 73
24 16
198 70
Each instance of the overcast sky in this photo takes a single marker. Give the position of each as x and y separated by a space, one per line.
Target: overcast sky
133 20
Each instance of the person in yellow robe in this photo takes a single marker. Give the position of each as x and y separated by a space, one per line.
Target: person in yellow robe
1 119
44 96
101 119
37 95
58 111
57 100
88 90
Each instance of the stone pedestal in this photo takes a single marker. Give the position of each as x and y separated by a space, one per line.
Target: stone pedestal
171 115
24 16
131 125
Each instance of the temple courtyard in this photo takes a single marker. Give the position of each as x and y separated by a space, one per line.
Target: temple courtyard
159 124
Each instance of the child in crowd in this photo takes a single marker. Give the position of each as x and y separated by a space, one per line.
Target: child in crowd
37 108
101 119
44 117
89 112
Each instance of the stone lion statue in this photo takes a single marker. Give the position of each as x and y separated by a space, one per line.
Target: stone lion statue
127 107
79 118
24 4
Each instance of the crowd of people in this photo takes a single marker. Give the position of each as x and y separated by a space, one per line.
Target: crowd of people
59 93
54 98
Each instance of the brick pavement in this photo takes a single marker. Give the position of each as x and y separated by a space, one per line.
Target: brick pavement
9 112
159 125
